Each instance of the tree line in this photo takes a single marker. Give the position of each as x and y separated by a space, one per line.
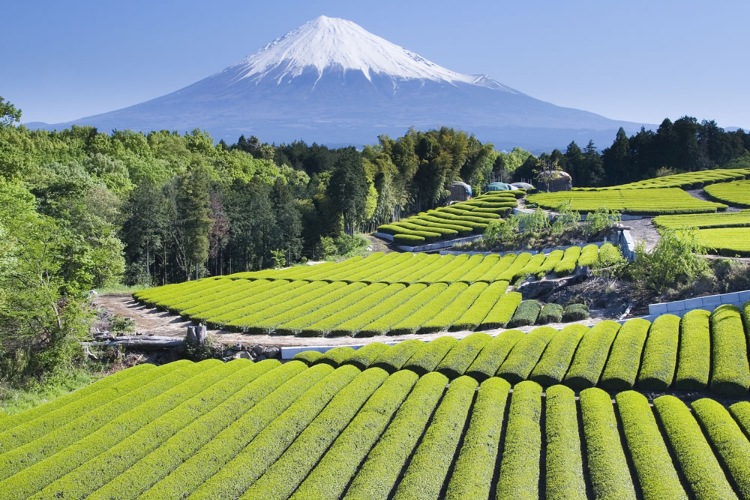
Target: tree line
81 209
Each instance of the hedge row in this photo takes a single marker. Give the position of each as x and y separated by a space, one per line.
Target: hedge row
625 359
569 262
449 315
416 321
189 440
728 219
525 354
589 255
647 449
280 477
727 440
694 360
36 448
697 461
369 310
19 431
241 471
332 474
461 355
421 300
44 462
475 465
519 468
730 241
429 466
591 356
688 180
430 355
733 193
657 201
730 372
557 356
394 358
550 313
481 307
116 459
502 312
526 314
564 462
295 400
575 312
493 354
660 354
606 462
381 469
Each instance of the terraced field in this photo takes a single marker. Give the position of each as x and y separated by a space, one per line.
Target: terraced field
733 193
690 180
409 426
700 352
649 202
725 234
381 294
454 221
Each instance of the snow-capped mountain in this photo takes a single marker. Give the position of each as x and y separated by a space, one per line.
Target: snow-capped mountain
331 81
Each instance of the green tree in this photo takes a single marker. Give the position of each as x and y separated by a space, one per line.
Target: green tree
9 114
616 159
192 219
348 188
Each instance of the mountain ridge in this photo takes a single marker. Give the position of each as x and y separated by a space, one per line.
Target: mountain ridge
330 81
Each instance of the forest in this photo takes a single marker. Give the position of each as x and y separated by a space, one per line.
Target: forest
82 209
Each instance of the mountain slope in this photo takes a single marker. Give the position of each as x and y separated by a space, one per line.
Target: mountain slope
331 81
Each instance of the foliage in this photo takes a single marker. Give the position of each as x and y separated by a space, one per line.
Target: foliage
674 261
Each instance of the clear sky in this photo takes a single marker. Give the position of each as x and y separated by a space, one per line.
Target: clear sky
638 60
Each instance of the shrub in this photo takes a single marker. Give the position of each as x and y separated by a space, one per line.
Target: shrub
698 463
429 466
382 467
694 359
601 220
575 312
475 465
653 464
660 354
284 474
557 356
364 357
526 313
308 357
607 465
624 360
741 413
591 355
448 316
727 439
589 255
569 261
519 468
550 313
730 374
493 354
564 463
502 312
409 240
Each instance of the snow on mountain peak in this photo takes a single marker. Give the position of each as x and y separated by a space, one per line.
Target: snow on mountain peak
328 42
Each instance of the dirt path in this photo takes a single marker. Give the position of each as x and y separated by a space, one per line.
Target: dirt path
643 230
156 322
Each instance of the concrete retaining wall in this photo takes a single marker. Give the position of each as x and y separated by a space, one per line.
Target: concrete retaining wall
709 303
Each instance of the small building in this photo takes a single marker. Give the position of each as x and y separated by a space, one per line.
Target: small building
498 186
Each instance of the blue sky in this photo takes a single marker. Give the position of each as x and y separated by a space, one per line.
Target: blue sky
637 60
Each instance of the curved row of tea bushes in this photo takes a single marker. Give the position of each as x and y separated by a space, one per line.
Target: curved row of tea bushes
728 219
729 241
267 430
247 405
475 464
733 193
670 353
431 461
689 180
657 201
381 469
36 464
110 464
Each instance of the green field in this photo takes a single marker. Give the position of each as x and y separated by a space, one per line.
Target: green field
732 193
397 422
395 293
731 241
726 219
657 201
689 180
454 221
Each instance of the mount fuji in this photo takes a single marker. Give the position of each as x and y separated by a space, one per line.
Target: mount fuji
330 81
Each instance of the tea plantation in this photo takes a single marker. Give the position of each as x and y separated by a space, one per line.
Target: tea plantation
415 420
